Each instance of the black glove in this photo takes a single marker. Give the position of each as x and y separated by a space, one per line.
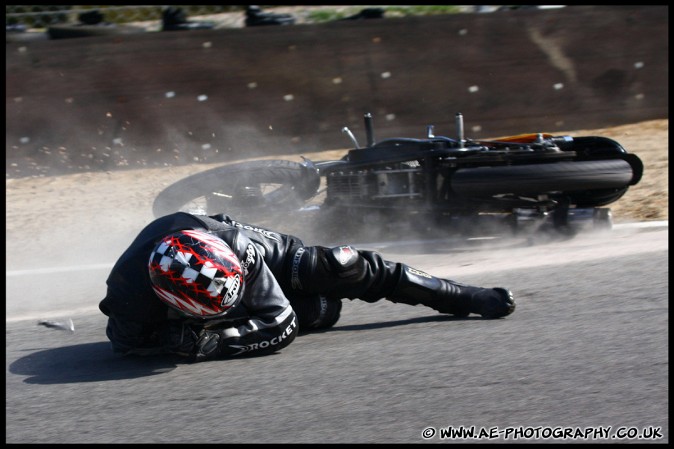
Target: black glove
179 338
254 337
207 346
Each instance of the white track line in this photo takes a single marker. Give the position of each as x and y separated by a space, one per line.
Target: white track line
34 271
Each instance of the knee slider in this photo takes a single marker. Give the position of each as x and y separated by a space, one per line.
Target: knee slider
340 272
313 266
345 260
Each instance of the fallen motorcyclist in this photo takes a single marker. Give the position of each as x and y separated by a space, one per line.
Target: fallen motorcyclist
210 287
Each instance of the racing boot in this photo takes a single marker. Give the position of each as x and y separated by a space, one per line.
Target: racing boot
416 287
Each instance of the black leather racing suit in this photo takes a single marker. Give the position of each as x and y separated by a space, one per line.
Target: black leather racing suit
276 267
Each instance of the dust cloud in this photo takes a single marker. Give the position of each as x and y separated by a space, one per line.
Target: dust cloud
64 232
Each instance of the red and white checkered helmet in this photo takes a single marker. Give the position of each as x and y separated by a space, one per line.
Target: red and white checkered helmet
196 273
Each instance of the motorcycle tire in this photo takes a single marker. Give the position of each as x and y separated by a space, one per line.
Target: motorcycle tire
249 191
580 176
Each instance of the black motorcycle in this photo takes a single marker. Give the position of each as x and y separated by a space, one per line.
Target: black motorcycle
436 181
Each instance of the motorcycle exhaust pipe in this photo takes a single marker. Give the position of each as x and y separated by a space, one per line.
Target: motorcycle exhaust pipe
553 177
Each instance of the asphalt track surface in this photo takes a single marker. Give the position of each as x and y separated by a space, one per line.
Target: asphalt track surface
585 353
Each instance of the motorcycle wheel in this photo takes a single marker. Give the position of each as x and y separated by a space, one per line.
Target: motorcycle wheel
250 191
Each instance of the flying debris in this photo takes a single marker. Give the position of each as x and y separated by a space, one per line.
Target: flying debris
64 326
